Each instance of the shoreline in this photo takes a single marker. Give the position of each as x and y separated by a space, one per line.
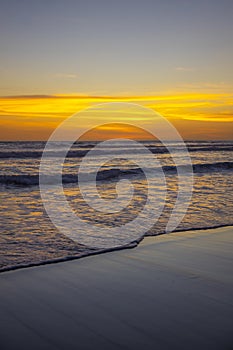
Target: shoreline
101 251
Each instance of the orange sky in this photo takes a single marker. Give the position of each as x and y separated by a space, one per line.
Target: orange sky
58 57
195 115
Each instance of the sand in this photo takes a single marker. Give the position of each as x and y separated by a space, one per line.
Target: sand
171 292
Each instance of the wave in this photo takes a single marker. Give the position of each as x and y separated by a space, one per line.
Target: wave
31 180
202 167
109 174
38 154
92 251
155 149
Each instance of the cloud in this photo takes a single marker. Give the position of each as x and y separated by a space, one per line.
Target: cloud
185 69
27 97
21 116
65 76
207 86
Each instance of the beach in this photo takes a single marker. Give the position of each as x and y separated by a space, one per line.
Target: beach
173 291
116 196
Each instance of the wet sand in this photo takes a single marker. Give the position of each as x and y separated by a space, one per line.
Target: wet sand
171 292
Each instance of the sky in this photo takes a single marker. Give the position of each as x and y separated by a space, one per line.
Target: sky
59 56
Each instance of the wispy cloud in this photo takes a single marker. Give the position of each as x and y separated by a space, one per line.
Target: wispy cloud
204 86
23 114
65 76
184 69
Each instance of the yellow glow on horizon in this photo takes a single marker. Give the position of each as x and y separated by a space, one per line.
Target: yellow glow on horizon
115 130
35 117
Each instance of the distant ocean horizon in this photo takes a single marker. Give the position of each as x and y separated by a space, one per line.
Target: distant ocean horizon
27 235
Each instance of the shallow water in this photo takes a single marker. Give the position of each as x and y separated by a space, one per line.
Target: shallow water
27 234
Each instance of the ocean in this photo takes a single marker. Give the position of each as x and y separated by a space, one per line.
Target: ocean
28 237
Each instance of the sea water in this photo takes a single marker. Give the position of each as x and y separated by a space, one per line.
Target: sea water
29 237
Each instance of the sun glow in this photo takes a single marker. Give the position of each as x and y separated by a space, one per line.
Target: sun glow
195 115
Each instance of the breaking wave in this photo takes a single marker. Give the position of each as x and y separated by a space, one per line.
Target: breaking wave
109 174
